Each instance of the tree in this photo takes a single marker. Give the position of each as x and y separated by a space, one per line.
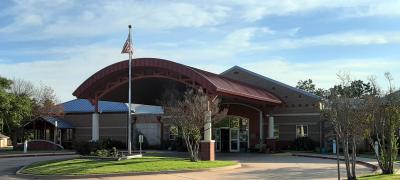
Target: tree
188 114
306 85
45 102
4 100
21 101
344 109
43 97
13 109
354 89
382 117
309 86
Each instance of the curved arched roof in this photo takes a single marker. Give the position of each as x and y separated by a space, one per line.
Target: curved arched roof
213 83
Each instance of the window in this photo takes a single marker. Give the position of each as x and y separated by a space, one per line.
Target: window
69 135
276 131
173 132
301 131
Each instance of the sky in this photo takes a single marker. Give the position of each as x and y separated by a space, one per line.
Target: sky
61 43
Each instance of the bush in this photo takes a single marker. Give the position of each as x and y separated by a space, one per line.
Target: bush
86 147
114 152
178 144
262 148
304 144
100 153
110 143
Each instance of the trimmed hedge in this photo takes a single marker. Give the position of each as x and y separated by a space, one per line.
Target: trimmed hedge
86 147
304 144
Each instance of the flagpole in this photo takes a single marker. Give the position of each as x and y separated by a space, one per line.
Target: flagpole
130 94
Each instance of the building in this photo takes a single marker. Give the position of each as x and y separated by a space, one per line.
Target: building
261 110
76 123
4 141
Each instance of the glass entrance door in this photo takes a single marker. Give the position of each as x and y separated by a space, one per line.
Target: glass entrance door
218 140
234 140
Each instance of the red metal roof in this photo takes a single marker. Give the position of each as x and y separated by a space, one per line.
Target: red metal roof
212 82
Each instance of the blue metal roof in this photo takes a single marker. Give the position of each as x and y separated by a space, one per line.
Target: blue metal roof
61 123
84 106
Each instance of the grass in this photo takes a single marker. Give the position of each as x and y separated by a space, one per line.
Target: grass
381 177
145 164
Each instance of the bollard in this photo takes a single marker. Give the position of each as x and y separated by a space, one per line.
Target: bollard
140 143
25 146
334 146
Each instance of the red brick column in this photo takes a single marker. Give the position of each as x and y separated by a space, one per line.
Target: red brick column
207 151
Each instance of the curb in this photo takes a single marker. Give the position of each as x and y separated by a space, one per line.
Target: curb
29 176
363 163
36 154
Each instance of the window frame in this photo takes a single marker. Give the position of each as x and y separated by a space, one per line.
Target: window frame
172 136
305 126
276 131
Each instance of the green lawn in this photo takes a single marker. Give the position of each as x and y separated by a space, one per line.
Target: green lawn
381 177
145 164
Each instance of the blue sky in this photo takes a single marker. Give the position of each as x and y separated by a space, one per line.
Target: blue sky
62 42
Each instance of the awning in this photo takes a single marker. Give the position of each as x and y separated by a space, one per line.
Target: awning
62 124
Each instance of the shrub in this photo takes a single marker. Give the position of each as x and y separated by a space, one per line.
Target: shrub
86 147
114 152
100 153
261 147
304 144
110 143
178 144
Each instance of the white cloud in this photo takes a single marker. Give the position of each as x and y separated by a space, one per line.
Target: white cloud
64 75
323 73
83 18
351 38
40 19
254 10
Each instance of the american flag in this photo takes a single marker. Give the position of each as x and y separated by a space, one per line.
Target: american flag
127 46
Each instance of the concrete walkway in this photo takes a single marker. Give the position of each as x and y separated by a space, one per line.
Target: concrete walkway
369 162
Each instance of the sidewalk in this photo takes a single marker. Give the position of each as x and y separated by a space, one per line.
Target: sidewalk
368 162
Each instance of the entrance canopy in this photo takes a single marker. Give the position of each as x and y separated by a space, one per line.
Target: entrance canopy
152 76
61 124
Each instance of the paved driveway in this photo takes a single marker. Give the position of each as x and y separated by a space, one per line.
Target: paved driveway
8 166
255 166
264 166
